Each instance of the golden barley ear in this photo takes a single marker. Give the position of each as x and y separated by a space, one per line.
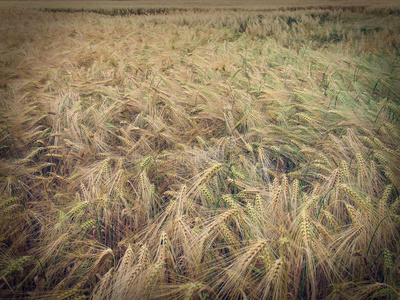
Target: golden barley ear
206 176
104 255
104 289
125 264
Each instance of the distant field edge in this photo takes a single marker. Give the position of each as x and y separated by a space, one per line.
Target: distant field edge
166 11
163 7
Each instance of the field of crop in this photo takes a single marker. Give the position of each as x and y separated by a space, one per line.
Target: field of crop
187 153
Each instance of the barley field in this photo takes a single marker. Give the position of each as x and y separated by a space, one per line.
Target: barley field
199 152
